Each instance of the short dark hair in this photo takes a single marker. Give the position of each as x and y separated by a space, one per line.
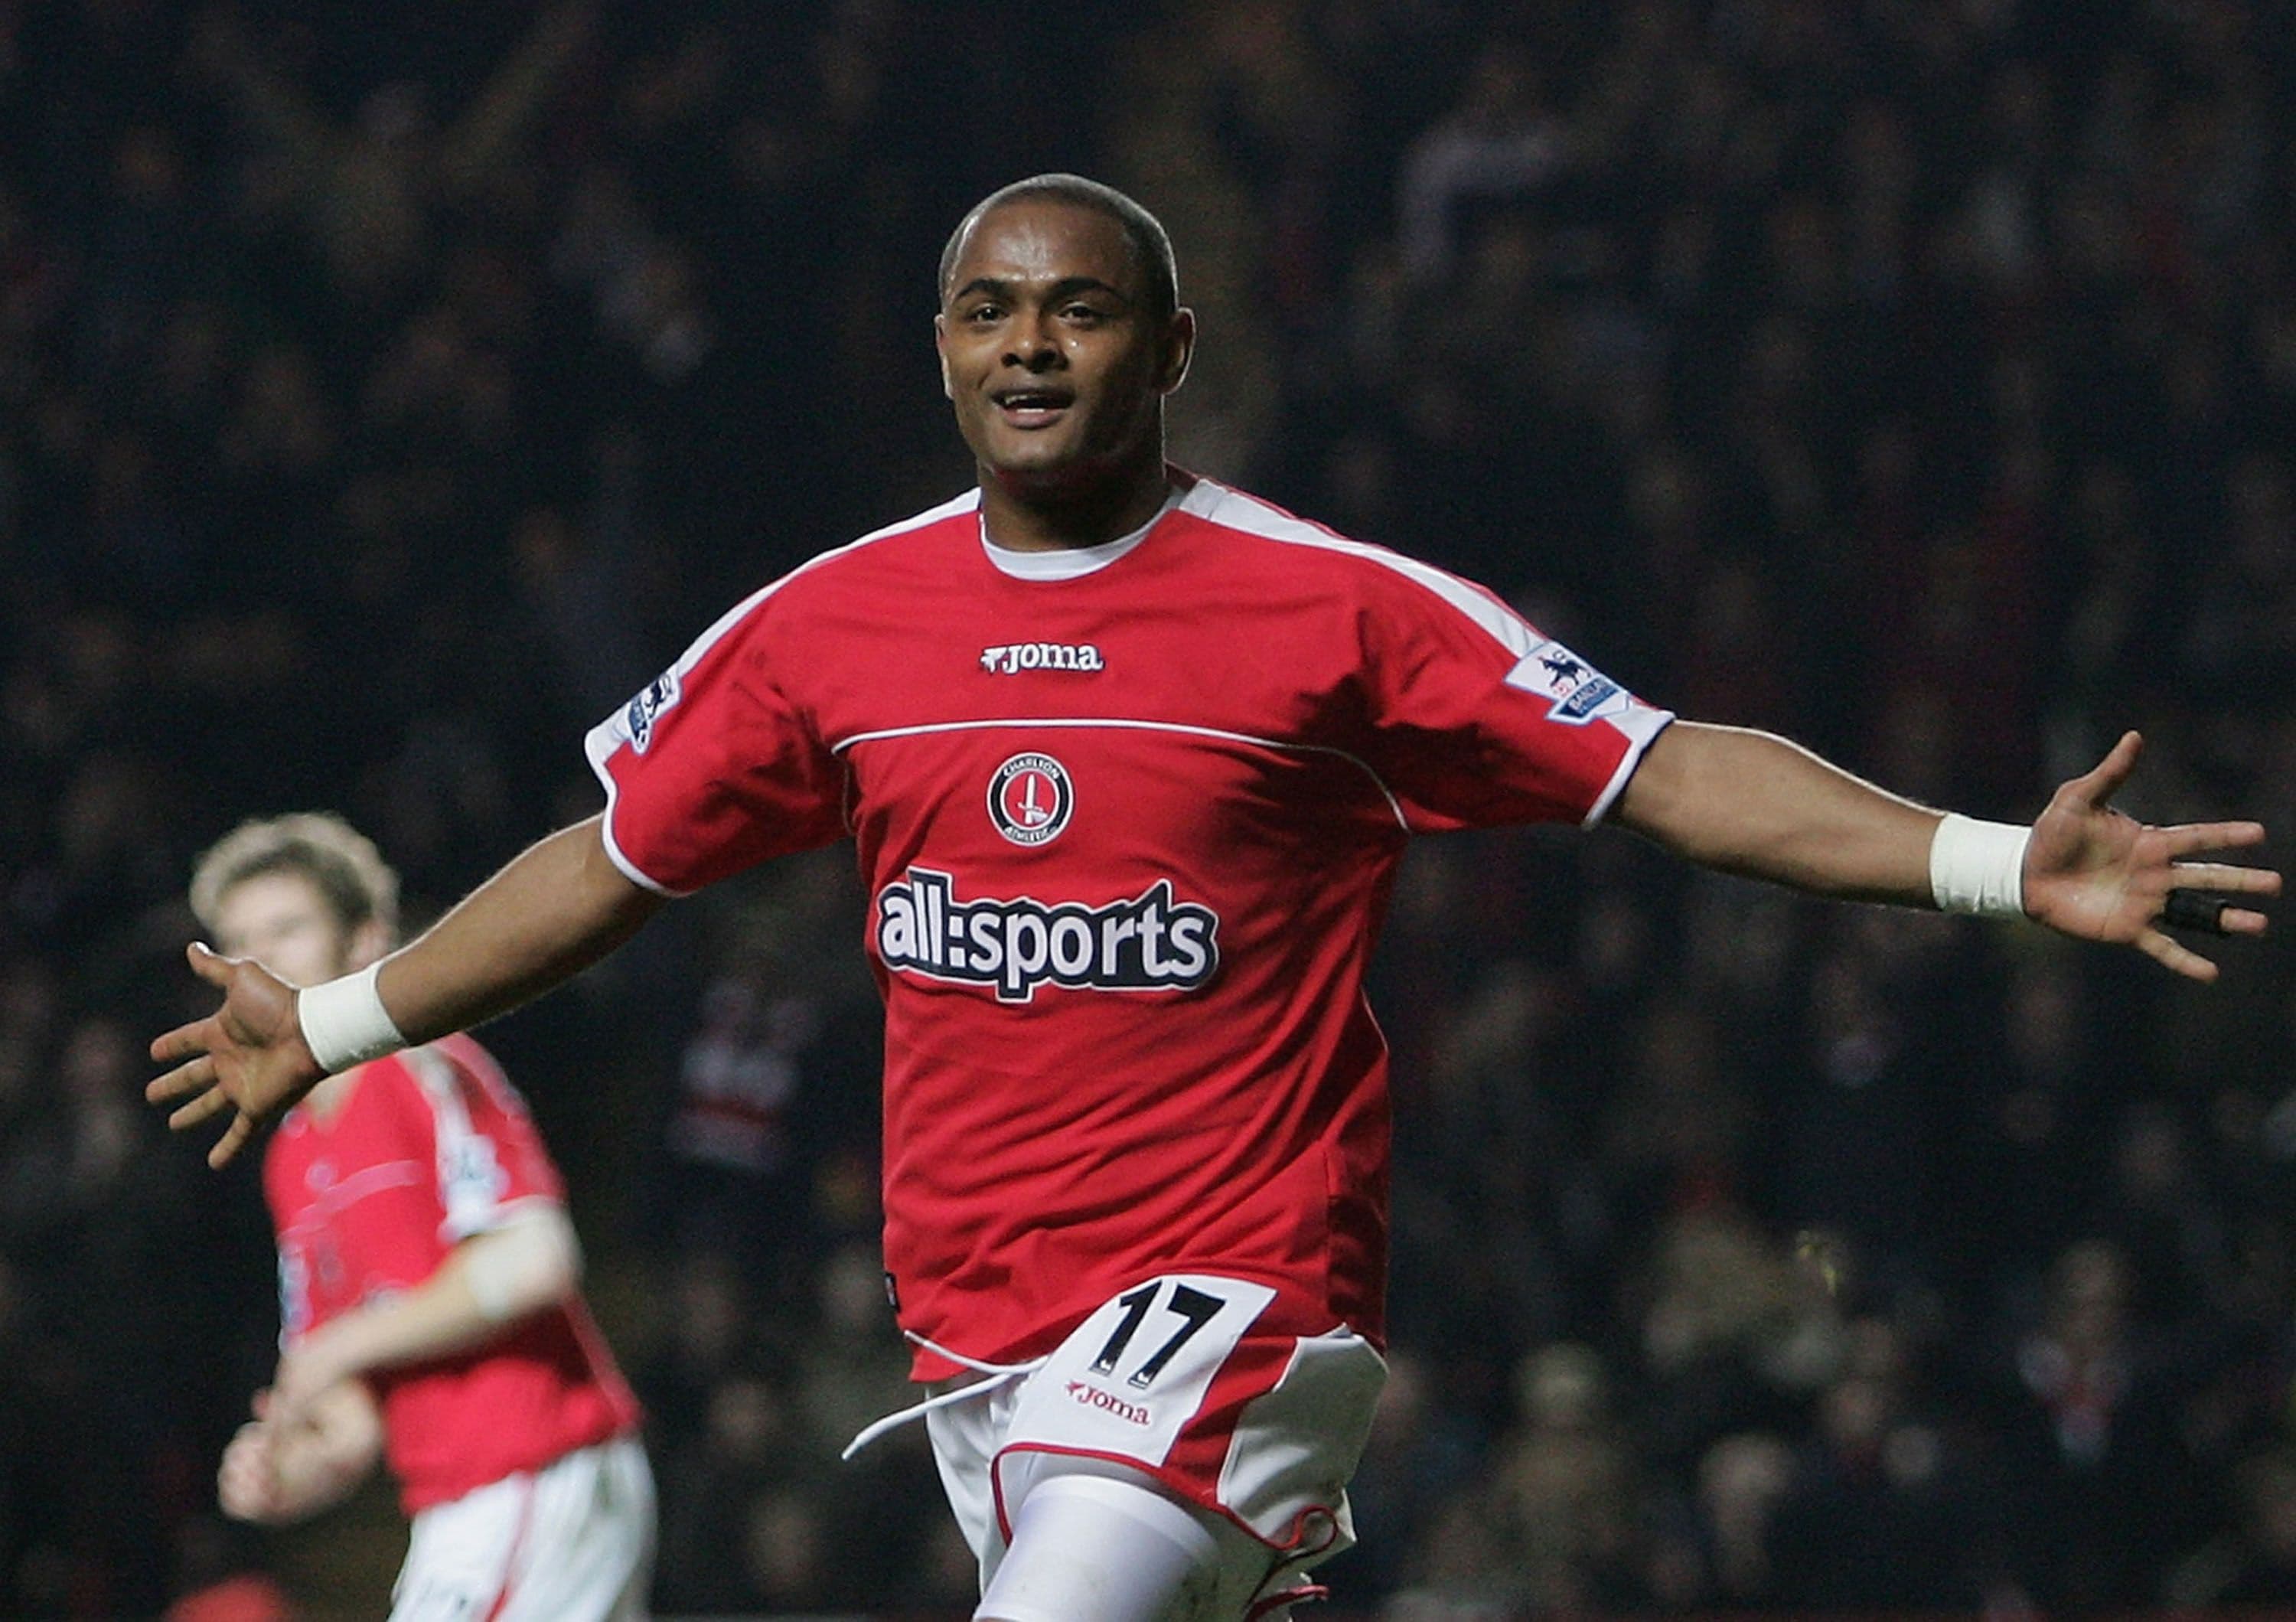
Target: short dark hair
1144 233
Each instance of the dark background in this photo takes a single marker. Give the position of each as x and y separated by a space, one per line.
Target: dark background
387 392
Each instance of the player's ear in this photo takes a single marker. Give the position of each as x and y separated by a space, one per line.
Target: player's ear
1179 349
941 347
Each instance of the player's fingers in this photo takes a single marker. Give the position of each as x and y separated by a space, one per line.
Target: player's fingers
207 963
2243 920
2188 839
212 1103
2226 877
182 1081
185 1042
233 1140
2097 786
2175 956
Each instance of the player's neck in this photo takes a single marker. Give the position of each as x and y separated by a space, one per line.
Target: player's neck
1023 518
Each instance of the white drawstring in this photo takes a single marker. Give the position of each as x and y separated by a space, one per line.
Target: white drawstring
974 1364
999 1374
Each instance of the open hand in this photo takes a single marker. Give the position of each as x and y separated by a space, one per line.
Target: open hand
2094 872
249 1055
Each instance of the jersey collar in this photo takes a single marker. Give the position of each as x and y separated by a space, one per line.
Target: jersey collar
1073 563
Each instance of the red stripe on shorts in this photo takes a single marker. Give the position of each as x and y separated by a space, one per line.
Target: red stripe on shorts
517 1548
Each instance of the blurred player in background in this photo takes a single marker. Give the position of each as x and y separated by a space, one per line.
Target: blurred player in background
1130 759
428 1287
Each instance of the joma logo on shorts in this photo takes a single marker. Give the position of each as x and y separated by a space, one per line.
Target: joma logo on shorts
1041 656
1092 1397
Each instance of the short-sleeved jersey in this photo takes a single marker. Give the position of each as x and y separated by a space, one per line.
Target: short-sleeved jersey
430 1146
1129 819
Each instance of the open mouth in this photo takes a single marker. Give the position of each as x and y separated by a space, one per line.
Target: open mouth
1034 407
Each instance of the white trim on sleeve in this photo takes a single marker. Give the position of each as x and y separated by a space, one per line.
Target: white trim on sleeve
1640 725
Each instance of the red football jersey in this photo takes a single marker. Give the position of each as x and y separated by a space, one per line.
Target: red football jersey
1128 818
432 1146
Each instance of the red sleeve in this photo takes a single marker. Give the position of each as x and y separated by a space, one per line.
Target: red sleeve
491 1159
714 768
1476 719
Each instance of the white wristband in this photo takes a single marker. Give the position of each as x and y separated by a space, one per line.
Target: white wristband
1978 867
345 1022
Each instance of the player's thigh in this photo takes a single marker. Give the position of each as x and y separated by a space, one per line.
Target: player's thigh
1229 1394
590 1557
1107 1545
458 1554
1202 1390
965 1437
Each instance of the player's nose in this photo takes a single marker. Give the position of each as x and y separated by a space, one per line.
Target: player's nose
1034 348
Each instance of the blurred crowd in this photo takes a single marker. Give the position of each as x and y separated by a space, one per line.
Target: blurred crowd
386 393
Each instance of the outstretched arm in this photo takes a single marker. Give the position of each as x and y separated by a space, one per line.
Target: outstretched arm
557 908
1747 802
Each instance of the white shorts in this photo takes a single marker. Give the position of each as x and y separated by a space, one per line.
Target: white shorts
572 1542
1173 1387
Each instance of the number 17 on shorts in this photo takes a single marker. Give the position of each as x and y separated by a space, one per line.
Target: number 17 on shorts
1188 1377
1131 1377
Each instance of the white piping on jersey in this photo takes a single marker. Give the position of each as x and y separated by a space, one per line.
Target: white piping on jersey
1070 563
1211 500
602 740
1279 744
338 1197
999 1374
451 1121
733 616
1215 502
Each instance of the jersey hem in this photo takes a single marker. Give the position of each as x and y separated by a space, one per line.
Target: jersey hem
415 1503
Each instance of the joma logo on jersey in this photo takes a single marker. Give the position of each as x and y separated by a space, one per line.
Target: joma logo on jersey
1149 942
1041 656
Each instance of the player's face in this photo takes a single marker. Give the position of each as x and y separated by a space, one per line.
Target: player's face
1051 351
283 921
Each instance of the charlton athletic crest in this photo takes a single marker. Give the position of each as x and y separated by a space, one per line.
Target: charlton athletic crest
1029 799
